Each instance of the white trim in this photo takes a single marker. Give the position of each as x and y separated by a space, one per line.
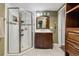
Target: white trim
55 44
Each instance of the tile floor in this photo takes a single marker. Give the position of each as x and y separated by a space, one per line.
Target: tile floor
56 51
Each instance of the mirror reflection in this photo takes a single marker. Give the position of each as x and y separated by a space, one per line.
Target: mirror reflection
42 22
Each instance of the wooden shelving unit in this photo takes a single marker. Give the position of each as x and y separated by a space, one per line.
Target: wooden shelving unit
72 29
69 6
73 10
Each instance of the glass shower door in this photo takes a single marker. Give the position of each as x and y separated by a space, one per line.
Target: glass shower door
13 30
19 30
26 30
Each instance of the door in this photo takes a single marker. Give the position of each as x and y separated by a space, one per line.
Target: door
26 39
13 30
13 38
26 17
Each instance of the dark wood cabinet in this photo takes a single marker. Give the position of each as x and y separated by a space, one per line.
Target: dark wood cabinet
43 40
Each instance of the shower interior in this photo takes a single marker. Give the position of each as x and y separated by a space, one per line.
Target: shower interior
19 30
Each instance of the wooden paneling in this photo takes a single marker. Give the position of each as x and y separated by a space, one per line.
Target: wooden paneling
72 42
71 48
70 6
72 29
72 20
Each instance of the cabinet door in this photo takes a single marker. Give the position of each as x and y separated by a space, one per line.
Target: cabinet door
26 41
13 38
38 40
43 40
47 41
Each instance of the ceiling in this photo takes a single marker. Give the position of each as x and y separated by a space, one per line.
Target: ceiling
39 6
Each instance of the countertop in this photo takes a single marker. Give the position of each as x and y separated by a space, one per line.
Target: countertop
44 31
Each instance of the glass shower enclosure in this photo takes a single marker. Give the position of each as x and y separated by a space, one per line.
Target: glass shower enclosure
19 26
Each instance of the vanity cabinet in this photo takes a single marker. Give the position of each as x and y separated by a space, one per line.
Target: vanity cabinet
43 40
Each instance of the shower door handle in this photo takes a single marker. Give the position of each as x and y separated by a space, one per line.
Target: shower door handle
22 30
22 21
22 34
25 28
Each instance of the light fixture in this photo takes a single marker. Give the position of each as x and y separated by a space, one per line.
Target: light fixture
37 14
41 14
48 14
44 13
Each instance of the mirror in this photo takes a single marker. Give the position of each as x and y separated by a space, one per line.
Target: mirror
42 22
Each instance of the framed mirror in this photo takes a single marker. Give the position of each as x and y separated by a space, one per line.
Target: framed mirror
42 22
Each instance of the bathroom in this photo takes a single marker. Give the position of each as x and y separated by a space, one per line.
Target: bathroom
27 22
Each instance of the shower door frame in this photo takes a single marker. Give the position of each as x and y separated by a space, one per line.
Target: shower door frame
18 30
31 31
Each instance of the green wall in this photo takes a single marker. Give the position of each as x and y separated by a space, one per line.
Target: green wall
54 25
2 16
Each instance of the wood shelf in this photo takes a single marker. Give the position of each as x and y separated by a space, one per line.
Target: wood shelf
74 10
74 30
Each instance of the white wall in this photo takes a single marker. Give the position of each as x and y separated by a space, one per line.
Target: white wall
61 26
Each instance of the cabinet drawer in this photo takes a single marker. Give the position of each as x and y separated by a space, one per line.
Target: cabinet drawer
71 49
74 36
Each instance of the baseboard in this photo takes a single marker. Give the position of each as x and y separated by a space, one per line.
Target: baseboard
63 44
56 44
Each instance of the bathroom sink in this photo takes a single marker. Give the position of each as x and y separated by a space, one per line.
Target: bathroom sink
44 31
